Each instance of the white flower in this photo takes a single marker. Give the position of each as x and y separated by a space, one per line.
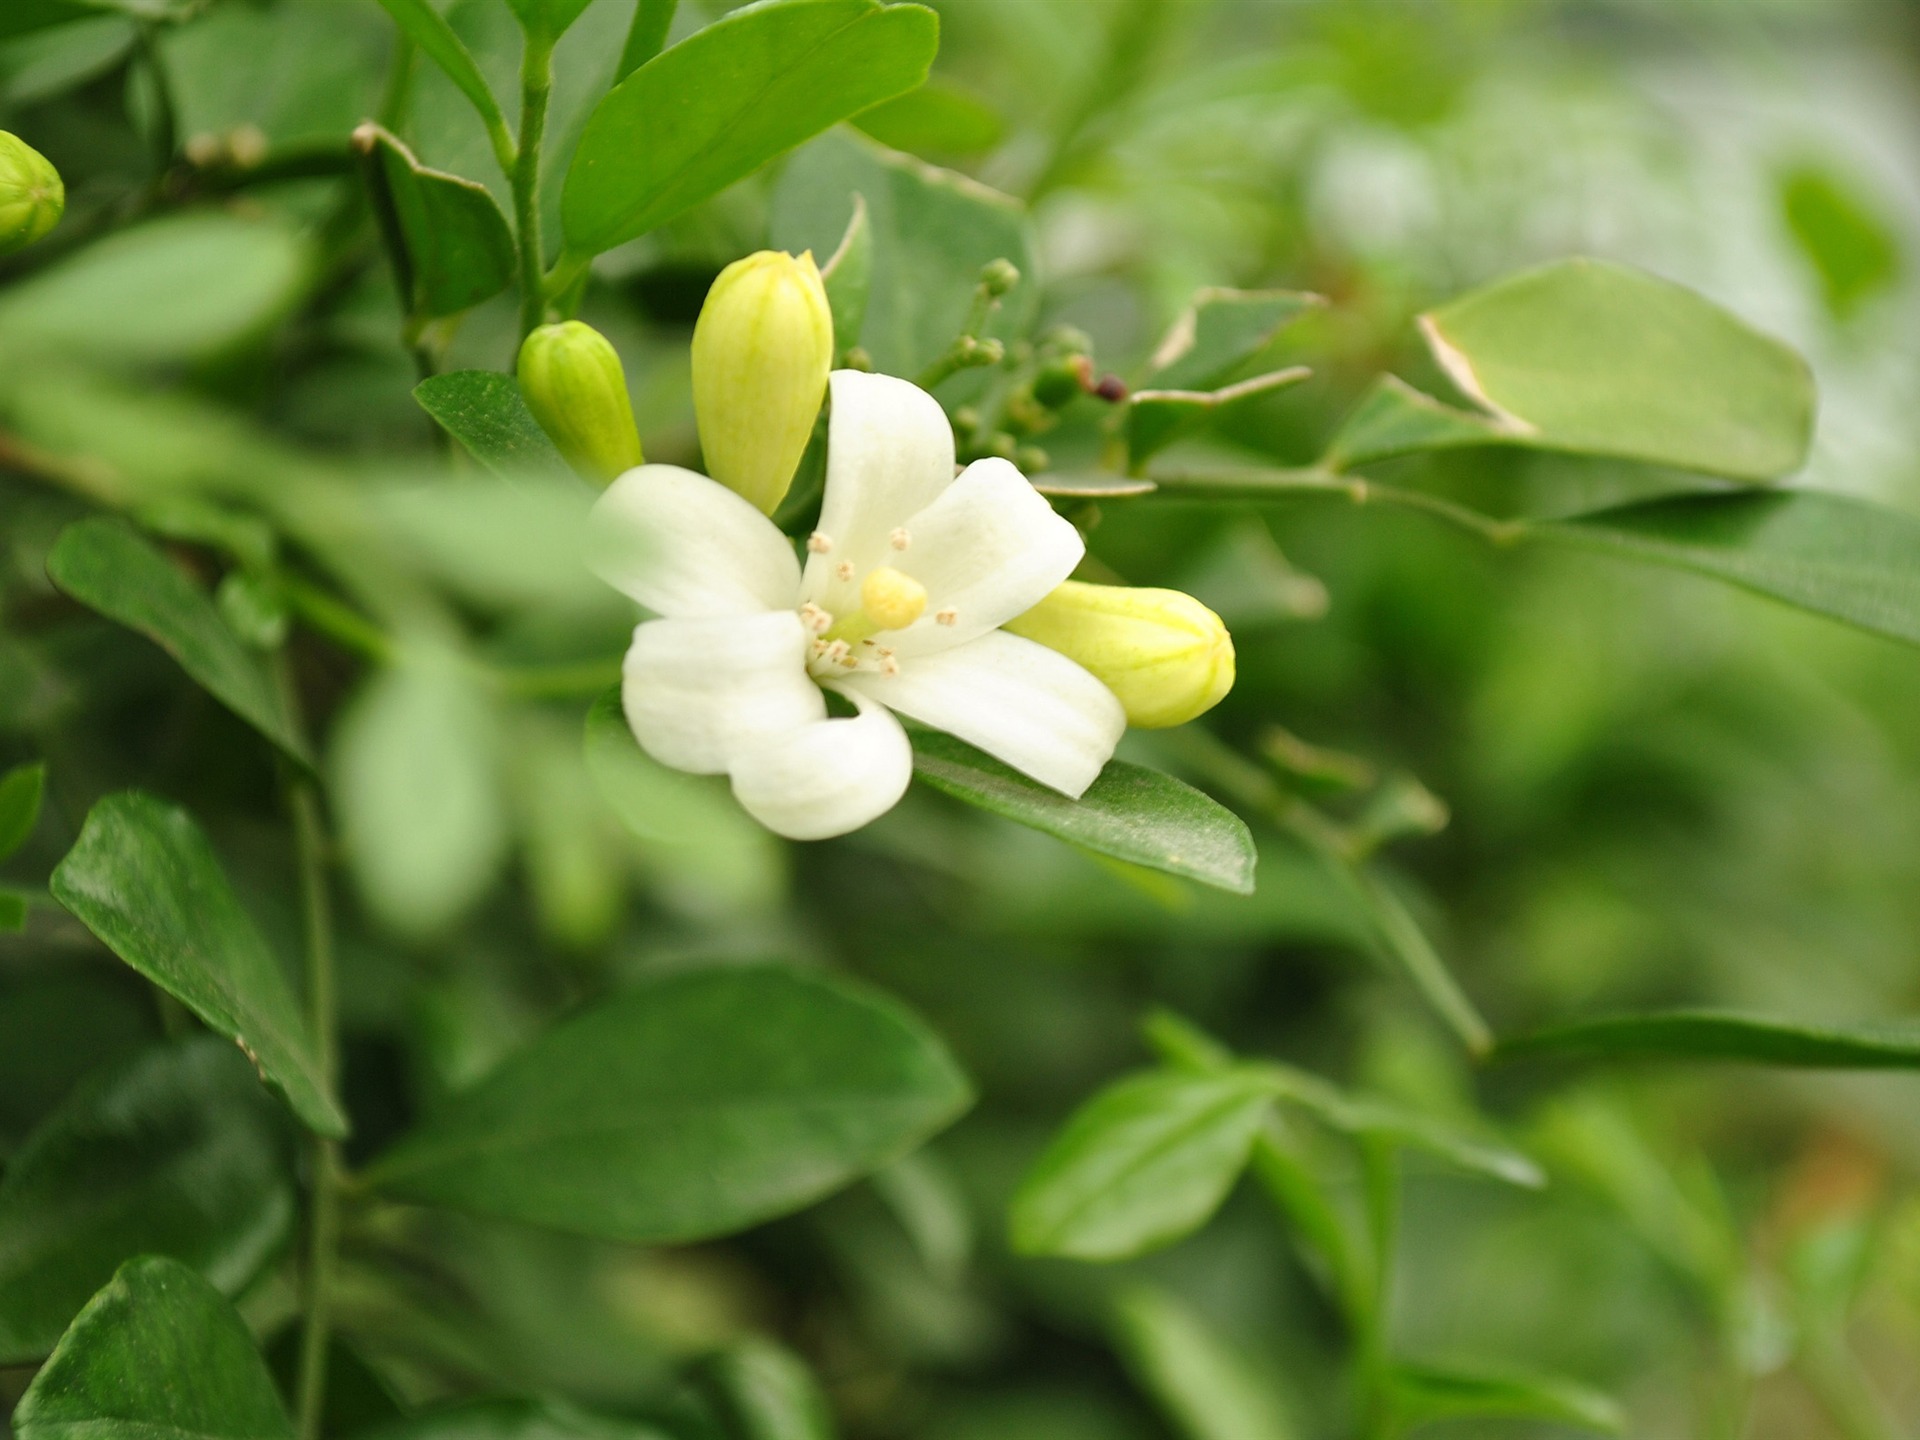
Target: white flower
907 582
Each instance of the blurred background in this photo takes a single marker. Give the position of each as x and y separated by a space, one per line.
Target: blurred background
1656 791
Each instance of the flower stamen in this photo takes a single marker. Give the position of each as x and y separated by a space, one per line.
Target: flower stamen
948 616
900 539
819 543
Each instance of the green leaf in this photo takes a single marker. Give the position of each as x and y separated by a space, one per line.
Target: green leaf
157 1353
174 1151
1727 1035
55 1029
1220 332
509 1419
690 826
766 1392
20 792
937 119
1393 419
1130 812
457 248
297 76
646 35
168 290
485 412
1422 1394
1848 559
547 19
1599 359
108 565
23 17
143 878
13 912
1367 1117
1144 1163
694 1106
848 278
1157 418
1203 1385
932 232
425 26
1852 249
729 98
414 776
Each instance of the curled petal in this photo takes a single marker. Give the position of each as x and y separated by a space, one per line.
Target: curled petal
889 454
685 546
828 777
1018 701
988 549
700 692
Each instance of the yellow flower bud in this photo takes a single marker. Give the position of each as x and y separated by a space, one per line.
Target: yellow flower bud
31 194
761 352
574 385
1163 653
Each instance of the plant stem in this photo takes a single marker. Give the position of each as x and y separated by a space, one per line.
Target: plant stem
536 88
323 1214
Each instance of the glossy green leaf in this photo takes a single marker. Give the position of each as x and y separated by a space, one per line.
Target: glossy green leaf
414 776
457 247
1130 812
547 18
510 1419
1157 418
723 102
485 412
20 792
173 289
1393 419
425 26
143 878
938 119
766 1392
1144 1163
688 826
174 1151
694 1106
1727 1035
1600 359
1848 559
1220 332
1422 1394
108 565
932 231
157 1353
1204 1385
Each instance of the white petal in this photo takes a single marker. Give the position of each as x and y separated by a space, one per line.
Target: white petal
987 550
699 692
685 546
828 777
1018 701
889 454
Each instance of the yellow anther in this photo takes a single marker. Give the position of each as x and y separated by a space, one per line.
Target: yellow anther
844 569
948 616
892 600
900 539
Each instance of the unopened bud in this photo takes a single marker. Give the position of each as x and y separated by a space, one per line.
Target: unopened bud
761 352
31 194
1163 653
573 383
997 277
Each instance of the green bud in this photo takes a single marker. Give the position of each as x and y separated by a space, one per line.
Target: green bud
31 195
761 352
1163 653
574 385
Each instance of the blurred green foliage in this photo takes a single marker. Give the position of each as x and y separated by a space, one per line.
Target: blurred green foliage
1635 789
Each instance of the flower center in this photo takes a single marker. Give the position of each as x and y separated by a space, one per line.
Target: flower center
889 600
